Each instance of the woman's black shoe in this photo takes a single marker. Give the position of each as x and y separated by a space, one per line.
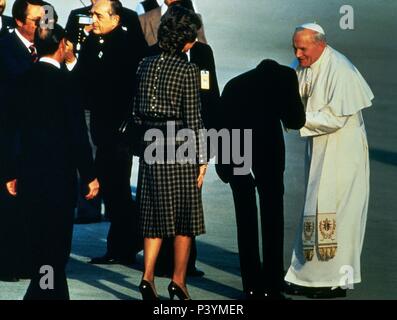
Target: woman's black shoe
147 291
175 290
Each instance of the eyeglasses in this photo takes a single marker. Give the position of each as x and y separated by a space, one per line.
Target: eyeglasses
35 20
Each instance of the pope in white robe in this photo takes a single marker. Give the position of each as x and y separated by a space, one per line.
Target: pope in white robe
330 238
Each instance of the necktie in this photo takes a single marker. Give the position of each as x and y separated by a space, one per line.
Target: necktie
33 53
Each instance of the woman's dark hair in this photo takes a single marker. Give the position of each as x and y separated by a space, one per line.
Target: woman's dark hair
178 27
188 4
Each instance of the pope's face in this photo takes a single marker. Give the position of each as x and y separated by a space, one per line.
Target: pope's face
103 21
307 50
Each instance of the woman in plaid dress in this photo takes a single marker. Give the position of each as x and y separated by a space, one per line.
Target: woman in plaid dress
169 194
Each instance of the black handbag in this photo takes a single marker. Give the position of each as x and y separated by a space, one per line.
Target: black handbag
130 134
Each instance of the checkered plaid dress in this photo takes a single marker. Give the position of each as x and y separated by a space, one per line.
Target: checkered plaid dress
168 196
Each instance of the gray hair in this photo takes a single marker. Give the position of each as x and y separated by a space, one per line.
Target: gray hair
317 37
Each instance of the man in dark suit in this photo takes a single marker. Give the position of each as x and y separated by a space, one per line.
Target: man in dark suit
6 23
201 55
260 100
106 68
43 172
78 28
17 55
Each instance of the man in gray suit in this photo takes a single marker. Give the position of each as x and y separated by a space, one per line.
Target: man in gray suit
150 21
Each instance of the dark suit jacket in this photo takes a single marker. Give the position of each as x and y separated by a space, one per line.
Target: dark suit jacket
15 59
73 28
106 71
129 21
8 23
202 55
261 99
51 128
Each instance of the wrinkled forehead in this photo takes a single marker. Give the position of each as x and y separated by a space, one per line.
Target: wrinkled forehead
34 11
304 38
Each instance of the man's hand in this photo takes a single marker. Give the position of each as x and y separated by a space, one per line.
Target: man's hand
93 189
12 187
69 52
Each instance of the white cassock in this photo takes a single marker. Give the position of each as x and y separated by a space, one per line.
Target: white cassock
328 245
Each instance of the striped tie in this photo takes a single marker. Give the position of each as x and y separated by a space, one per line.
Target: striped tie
33 53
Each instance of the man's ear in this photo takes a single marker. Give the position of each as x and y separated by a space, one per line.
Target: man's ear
116 19
62 45
19 23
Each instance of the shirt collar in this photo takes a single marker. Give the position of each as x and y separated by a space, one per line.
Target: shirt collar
1 22
164 9
25 42
51 61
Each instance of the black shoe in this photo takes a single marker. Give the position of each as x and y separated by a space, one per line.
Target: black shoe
175 290
194 272
252 295
295 290
275 296
147 291
9 279
327 293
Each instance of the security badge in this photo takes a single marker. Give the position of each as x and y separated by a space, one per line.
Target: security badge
205 80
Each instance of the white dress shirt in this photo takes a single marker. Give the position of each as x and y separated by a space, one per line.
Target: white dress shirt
51 61
25 41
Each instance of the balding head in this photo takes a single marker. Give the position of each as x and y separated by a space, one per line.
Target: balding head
309 45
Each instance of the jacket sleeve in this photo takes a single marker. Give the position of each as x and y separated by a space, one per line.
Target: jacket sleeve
192 111
80 141
322 122
211 111
10 125
292 113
